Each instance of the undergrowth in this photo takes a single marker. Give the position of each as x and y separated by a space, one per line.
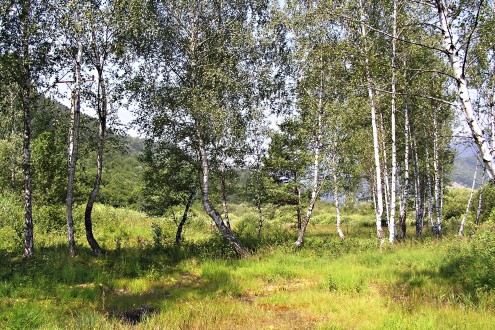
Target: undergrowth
200 284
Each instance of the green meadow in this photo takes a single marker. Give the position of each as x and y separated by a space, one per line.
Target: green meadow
145 281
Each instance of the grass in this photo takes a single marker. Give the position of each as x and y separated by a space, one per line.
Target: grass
328 284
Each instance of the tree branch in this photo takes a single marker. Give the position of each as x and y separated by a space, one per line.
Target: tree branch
396 38
431 71
470 36
417 95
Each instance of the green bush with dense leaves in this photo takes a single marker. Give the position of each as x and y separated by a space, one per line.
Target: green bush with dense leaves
472 264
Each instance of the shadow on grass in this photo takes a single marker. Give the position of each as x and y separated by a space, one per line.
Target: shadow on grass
123 282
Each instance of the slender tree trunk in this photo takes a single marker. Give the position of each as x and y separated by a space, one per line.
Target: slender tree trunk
178 234
26 164
297 192
13 157
391 222
260 216
378 178
419 205
336 198
26 99
492 112
102 118
224 196
212 212
428 185
480 207
480 202
405 188
386 181
463 90
461 229
72 151
316 167
437 228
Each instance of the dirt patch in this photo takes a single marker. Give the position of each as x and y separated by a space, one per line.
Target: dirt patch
135 316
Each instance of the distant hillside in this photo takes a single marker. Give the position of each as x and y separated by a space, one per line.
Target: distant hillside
464 167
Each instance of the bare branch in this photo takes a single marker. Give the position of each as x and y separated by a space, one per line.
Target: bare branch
418 95
396 38
470 36
430 71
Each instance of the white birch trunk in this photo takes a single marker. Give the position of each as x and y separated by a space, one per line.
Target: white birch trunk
405 188
212 212
461 228
72 149
437 229
417 191
371 96
27 103
457 67
224 195
386 181
480 201
101 109
336 198
391 222
316 164
428 184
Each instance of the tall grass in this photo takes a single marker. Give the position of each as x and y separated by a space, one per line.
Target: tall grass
328 284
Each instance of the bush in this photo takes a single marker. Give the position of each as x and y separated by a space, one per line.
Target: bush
50 218
455 202
488 202
11 221
473 265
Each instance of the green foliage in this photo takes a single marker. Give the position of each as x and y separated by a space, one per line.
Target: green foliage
472 265
50 218
9 162
287 161
49 167
170 176
157 235
455 203
11 224
488 195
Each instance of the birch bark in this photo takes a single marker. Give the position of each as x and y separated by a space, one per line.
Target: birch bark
316 165
391 222
463 91
419 204
72 149
336 198
102 104
212 212
437 228
26 107
376 152
405 188
461 228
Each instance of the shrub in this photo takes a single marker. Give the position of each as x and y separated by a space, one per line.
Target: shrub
11 221
488 201
50 218
473 265
455 202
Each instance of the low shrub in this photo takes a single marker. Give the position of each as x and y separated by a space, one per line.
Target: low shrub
472 265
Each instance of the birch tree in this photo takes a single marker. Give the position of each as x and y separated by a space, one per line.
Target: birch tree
457 54
371 98
102 38
202 52
26 55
